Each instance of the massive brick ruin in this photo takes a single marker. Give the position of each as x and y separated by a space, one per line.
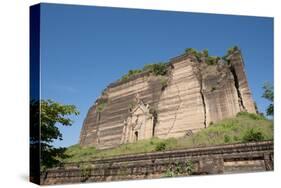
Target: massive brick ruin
193 95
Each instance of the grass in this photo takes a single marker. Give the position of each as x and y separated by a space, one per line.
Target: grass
78 153
242 128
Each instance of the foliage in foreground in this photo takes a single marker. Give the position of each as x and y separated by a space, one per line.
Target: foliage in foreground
269 95
51 114
244 127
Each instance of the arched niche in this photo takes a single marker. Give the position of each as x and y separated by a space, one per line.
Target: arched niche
139 124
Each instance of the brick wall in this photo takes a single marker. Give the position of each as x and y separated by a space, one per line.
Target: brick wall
234 158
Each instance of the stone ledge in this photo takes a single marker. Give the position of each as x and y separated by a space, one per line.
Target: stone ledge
226 148
245 157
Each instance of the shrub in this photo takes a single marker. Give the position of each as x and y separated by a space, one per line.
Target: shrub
130 74
203 56
189 167
232 50
169 173
197 54
101 103
235 138
212 60
178 169
191 51
253 135
161 146
250 115
242 114
160 69
226 138
101 107
157 69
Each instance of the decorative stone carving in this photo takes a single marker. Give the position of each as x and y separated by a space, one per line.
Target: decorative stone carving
139 124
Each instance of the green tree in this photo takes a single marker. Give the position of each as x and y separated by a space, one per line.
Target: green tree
51 115
269 95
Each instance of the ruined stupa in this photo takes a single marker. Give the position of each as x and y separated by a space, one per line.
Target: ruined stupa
193 91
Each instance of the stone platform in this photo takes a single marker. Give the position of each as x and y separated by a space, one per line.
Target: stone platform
223 159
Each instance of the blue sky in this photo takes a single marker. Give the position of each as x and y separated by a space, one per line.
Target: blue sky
85 48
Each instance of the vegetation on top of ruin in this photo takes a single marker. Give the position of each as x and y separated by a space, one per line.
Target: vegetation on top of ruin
161 68
101 104
233 49
204 57
245 127
157 69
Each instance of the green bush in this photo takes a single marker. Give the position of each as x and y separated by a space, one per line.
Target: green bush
162 67
235 138
130 74
197 54
253 135
212 60
203 56
178 169
250 115
157 68
161 146
189 167
226 139
232 50
191 51
101 104
169 173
